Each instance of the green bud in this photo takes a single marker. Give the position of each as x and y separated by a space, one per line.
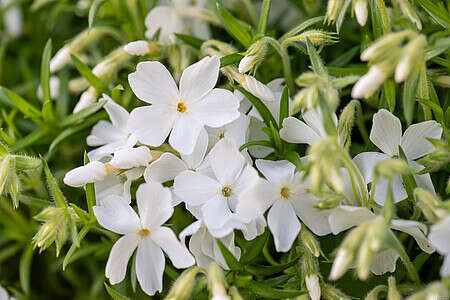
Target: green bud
24 163
431 205
386 45
317 37
253 56
309 241
184 285
216 281
329 292
390 167
346 121
365 258
373 294
393 293
307 79
435 291
234 292
411 56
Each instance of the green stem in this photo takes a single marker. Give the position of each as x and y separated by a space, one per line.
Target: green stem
286 62
412 272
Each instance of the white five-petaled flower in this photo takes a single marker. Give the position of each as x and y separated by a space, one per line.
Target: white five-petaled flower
117 184
440 238
111 136
307 132
176 18
183 113
386 134
285 192
218 195
144 232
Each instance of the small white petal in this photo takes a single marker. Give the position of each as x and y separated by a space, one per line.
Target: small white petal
117 114
416 230
116 267
91 172
256 199
366 162
150 263
165 19
284 225
345 217
315 219
386 132
131 158
137 48
226 161
296 131
439 236
414 141
88 98
279 172
177 252
257 88
154 204
184 135
194 188
384 262
381 189
165 168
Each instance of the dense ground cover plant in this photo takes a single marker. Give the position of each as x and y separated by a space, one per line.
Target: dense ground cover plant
224 149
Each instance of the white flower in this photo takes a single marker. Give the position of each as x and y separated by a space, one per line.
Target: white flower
117 184
144 232
284 191
369 83
170 19
137 48
111 136
204 246
183 113
386 134
236 132
168 165
218 195
54 88
440 238
12 18
345 217
91 172
258 89
307 132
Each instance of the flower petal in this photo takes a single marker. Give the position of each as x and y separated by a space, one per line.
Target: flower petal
284 225
215 109
256 199
116 215
226 161
116 267
194 188
150 263
249 176
104 132
296 131
153 83
314 119
366 162
416 230
439 236
200 78
117 114
131 158
345 217
256 134
384 262
414 141
165 168
154 204
381 189
152 124
164 18
386 132
216 214
185 134
177 252
91 172
279 172
315 219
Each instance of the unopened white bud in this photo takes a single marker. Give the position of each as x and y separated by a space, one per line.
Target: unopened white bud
86 99
61 58
411 57
361 11
54 88
12 18
91 172
257 88
313 286
137 48
369 83
340 264
131 158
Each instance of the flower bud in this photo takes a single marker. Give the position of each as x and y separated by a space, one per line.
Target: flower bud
307 79
255 87
333 10
329 292
385 44
341 263
317 37
433 291
131 158
373 294
390 167
217 283
253 56
430 204
410 57
12 18
310 242
365 258
140 48
25 163
361 11
307 99
183 286
313 286
393 293
54 88
91 172
369 83
86 99
443 81
346 121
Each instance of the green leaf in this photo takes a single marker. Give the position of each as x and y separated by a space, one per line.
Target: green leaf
437 12
389 94
82 114
231 261
284 105
35 202
276 138
264 16
25 268
75 246
93 11
47 108
230 59
190 40
28 110
90 192
260 106
437 110
32 138
409 96
254 248
93 80
234 27
53 186
262 290
316 62
114 294
408 180
269 270
294 158
345 58
256 143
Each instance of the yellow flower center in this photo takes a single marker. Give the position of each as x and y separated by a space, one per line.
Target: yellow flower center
144 232
285 193
226 191
181 107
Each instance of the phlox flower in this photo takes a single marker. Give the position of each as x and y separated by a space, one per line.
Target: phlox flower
285 193
181 112
386 134
440 238
117 184
172 18
111 136
308 131
144 232
217 194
